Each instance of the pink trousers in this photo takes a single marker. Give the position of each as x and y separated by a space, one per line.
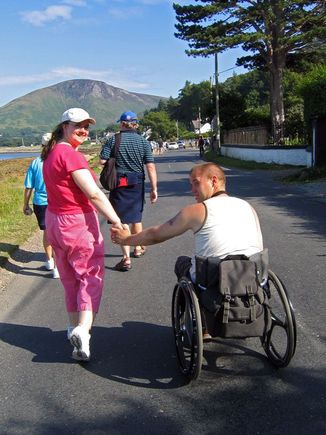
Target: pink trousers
79 250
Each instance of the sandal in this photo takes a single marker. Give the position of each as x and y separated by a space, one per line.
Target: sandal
138 252
206 335
124 265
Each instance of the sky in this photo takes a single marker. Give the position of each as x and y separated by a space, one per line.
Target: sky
129 45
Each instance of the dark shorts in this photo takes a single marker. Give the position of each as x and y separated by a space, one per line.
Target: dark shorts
39 211
128 202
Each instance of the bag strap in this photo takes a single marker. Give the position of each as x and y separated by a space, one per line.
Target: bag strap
117 141
226 303
252 305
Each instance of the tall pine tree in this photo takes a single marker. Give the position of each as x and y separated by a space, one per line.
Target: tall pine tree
271 30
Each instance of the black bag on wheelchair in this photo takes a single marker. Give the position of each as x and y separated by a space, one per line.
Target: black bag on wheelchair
233 301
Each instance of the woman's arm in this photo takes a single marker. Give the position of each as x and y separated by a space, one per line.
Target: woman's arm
84 180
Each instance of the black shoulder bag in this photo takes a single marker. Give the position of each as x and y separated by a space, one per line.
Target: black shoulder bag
108 176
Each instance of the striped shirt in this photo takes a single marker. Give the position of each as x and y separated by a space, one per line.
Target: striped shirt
134 152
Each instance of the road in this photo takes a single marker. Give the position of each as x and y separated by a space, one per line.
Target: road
132 385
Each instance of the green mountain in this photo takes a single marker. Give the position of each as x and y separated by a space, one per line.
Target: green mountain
41 110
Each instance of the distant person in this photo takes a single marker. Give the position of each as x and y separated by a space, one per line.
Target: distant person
201 143
128 199
34 182
160 146
73 226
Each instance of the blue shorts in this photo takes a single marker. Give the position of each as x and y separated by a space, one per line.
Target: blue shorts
39 211
128 202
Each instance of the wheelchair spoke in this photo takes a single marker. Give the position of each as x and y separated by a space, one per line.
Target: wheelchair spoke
277 321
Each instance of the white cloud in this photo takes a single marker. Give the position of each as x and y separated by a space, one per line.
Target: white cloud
39 18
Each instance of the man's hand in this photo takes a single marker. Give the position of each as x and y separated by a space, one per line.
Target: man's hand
119 235
153 196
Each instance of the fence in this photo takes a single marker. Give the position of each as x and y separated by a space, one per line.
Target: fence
246 136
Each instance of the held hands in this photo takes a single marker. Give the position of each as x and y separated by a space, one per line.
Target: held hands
118 225
119 235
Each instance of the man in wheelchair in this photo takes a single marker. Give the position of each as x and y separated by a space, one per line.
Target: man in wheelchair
228 267
222 225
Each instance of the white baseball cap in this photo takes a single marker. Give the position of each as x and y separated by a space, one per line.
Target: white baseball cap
45 138
77 115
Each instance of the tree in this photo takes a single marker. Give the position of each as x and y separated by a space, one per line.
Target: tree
272 30
194 100
313 90
160 124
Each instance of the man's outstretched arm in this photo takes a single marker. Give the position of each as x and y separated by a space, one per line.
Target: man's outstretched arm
189 218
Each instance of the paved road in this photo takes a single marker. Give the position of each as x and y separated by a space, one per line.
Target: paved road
132 385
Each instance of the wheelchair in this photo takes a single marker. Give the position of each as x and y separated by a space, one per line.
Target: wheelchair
278 338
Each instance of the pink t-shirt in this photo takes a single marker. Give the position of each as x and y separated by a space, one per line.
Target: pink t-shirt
64 196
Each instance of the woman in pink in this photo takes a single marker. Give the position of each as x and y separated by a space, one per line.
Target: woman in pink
72 225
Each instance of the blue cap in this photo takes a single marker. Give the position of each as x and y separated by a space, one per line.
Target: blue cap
128 117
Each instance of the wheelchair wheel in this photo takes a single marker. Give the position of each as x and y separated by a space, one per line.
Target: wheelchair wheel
280 342
187 328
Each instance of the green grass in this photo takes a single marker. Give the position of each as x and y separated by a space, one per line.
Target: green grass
15 227
307 175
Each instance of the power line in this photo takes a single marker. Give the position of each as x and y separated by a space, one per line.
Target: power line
229 69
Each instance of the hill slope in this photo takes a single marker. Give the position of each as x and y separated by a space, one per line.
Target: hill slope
40 110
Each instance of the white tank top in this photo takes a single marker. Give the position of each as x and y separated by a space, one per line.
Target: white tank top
231 228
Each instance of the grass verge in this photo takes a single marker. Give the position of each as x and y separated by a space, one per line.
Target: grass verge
307 175
15 227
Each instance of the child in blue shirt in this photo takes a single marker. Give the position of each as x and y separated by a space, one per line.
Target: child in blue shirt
34 182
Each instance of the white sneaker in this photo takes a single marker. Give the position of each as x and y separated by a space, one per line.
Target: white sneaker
69 332
78 356
49 264
55 273
80 340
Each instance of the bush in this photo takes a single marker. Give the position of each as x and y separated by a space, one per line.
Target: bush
313 91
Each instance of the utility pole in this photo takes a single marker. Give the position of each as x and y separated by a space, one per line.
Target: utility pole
218 128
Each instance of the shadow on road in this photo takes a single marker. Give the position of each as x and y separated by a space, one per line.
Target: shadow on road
18 259
237 389
137 354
